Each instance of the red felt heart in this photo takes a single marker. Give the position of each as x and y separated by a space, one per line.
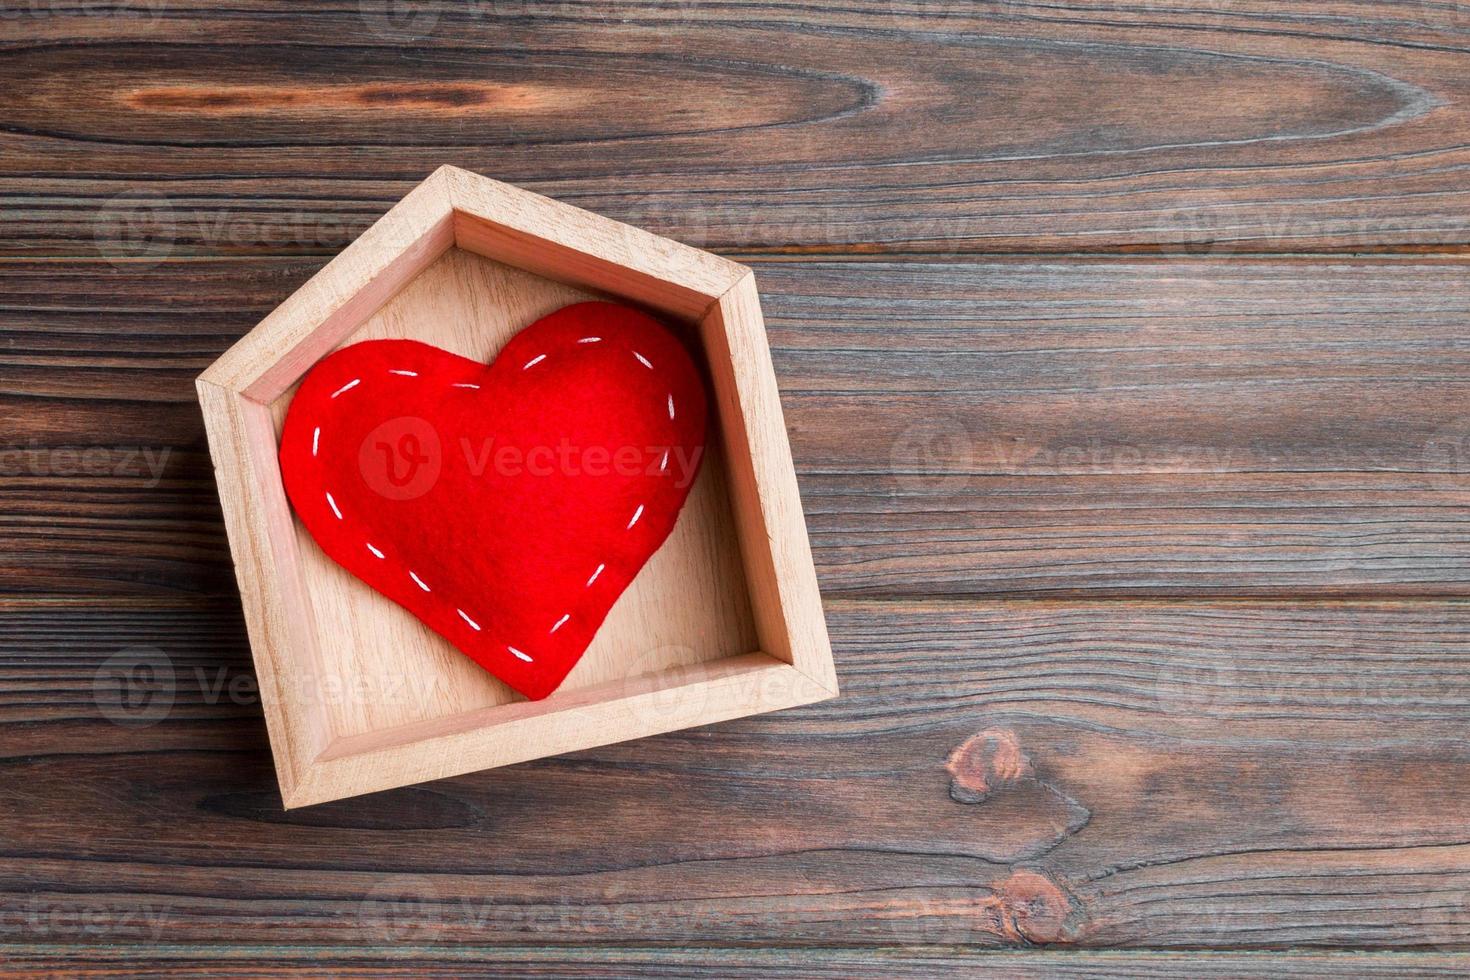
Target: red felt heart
509 505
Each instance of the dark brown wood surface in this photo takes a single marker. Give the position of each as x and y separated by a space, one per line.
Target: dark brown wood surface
1001 124
1125 351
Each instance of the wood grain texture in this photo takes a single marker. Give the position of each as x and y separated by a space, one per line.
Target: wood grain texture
1116 427
874 125
714 964
1117 764
1091 773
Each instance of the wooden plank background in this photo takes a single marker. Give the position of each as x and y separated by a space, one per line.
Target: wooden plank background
1124 354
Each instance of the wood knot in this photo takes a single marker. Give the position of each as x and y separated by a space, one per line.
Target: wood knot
1030 816
1030 907
1040 910
984 762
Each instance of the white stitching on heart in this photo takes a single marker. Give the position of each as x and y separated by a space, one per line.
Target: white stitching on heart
637 514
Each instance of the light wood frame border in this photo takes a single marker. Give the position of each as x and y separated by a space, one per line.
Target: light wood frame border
454 207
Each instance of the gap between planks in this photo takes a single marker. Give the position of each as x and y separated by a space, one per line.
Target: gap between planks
211 601
474 953
797 254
